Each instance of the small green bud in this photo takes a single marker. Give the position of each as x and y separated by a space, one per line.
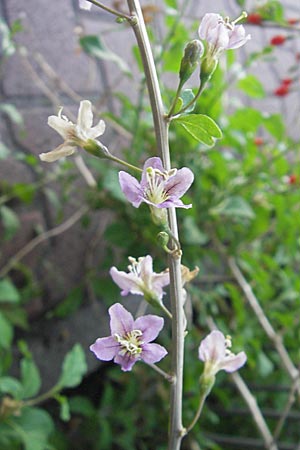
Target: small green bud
159 215
192 54
208 67
95 148
163 239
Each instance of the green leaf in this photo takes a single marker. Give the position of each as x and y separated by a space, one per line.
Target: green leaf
73 369
12 112
252 86
34 426
200 127
10 221
64 413
187 96
30 378
6 332
12 386
82 405
192 234
92 45
235 207
4 151
8 292
275 126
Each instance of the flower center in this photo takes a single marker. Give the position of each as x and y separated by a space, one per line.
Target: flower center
230 25
130 343
228 345
156 179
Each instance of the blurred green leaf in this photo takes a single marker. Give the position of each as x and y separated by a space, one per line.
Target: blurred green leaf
12 112
34 427
6 332
235 207
30 378
12 386
252 86
8 292
64 407
200 127
93 45
10 222
73 369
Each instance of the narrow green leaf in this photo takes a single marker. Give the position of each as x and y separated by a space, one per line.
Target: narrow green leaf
10 221
30 378
73 369
93 45
200 127
6 332
12 112
64 413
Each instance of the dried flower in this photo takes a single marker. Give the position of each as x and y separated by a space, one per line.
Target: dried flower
80 134
141 279
215 352
130 339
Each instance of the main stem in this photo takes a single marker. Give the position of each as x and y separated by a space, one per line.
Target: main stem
162 140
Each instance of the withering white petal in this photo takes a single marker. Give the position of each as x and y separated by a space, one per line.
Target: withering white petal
83 4
63 126
59 152
97 130
85 115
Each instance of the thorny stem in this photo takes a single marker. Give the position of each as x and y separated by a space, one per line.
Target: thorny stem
161 132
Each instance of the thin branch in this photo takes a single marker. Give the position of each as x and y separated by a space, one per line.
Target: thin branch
111 10
41 238
290 401
265 323
255 411
157 369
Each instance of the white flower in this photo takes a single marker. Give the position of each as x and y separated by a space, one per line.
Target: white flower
83 4
215 352
74 135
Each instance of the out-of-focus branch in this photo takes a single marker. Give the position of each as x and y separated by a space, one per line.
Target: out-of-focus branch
41 238
265 323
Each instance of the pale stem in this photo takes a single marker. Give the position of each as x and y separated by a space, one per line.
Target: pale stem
161 132
110 10
157 369
198 413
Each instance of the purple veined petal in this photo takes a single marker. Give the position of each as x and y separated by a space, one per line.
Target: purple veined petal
85 115
105 348
213 348
232 363
210 20
121 321
83 4
176 202
153 162
59 152
131 188
177 185
153 353
97 130
126 361
238 37
150 326
128 282
61 126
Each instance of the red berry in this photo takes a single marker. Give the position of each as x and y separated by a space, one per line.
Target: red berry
254 18
258 141
293 21
286 81
282 90
292 179
279 39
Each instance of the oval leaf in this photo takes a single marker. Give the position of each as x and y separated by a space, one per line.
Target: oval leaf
201 127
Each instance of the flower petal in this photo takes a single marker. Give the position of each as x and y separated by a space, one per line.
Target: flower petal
232 363
59 152
238 37
97 130
105 348
126 361
150 326
83 4
153 353
121 321
212 348
146 268
177 185
155 163
131 188
159 280
85 115
62 126
128 282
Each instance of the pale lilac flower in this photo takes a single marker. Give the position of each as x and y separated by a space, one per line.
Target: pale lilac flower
214 352
74 134
221 34
84 4
130 339
158 187
141 280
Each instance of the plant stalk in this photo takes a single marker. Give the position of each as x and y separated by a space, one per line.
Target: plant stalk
161 124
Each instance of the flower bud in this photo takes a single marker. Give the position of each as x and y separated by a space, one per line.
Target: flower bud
163 239
95 148
208 67
192 54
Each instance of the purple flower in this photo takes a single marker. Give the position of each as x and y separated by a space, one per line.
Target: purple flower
130 339
158 187
221 34
214 351
141 279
